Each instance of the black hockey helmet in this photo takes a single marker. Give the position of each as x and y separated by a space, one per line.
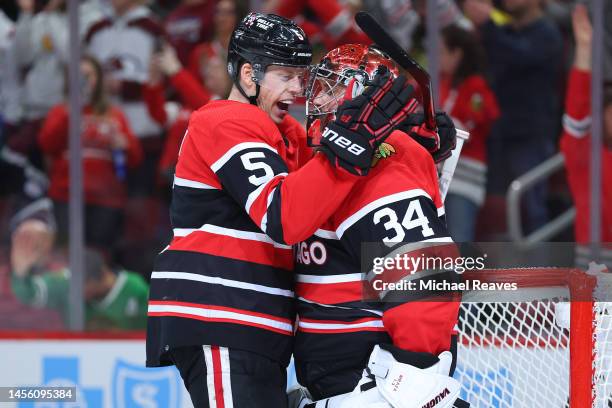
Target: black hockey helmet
266 39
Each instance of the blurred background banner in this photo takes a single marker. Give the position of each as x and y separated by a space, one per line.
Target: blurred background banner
106 372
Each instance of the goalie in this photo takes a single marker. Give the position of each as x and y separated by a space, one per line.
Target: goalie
405 347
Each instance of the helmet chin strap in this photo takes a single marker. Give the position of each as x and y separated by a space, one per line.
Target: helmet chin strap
251 98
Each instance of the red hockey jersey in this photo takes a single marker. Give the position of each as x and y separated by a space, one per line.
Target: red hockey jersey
399 201
473 107
576 147
101 185
225 279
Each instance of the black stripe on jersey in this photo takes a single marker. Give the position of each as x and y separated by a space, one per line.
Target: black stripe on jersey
410 220
443 220
193 207
216 266
322 257
274 227
247 170
346 313
165 333
336 346
216 295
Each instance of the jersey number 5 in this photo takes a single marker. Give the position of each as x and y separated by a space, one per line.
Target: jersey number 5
413 218
249 164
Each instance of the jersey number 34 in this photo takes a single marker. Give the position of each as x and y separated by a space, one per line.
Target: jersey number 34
414 218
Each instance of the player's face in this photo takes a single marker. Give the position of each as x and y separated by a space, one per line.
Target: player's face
280 87
327 96
90 80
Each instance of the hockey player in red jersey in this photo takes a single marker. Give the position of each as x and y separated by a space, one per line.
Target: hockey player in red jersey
576 145
405 346
221 304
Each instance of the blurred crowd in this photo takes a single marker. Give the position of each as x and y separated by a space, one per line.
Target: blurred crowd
505 66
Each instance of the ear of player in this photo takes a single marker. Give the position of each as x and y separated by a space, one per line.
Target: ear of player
364 122
440 142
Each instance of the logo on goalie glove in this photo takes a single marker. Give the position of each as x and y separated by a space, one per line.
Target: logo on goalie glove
435 401
342 141
396 383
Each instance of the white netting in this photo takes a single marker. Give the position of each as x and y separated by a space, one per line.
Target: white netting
514 354
603 355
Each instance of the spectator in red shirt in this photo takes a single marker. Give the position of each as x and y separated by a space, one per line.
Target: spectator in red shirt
108 148
205 79
227 14
190 24
194 92
333 23
576 145
467 98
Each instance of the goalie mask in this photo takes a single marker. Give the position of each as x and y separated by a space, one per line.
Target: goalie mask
329 81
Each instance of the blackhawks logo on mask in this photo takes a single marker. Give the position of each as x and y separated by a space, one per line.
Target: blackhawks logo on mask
384 150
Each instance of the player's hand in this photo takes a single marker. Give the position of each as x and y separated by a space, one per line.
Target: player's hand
583 34
364 122
30 243
583 31
439 143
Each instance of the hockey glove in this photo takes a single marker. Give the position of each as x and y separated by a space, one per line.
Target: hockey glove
441 143
364 122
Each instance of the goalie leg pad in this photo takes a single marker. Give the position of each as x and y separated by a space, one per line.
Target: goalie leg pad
390 383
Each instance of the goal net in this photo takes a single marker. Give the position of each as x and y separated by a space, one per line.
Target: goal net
521 353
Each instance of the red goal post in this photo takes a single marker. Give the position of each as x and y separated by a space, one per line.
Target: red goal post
513 353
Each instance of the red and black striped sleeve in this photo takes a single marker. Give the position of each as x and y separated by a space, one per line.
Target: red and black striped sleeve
249 160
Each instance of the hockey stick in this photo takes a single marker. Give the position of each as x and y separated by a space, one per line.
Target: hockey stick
383 40
450 164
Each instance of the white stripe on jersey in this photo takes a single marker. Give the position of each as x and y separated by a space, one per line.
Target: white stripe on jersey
467 189
340 326
376 312
238 148
210 376
347 277
183 182
228 232
221 281
575 127
346 224
263 224
326 234
213 314
255 193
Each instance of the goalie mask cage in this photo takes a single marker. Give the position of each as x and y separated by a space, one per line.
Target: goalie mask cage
515 354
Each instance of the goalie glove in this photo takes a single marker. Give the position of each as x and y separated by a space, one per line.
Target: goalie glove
361 124
440 143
